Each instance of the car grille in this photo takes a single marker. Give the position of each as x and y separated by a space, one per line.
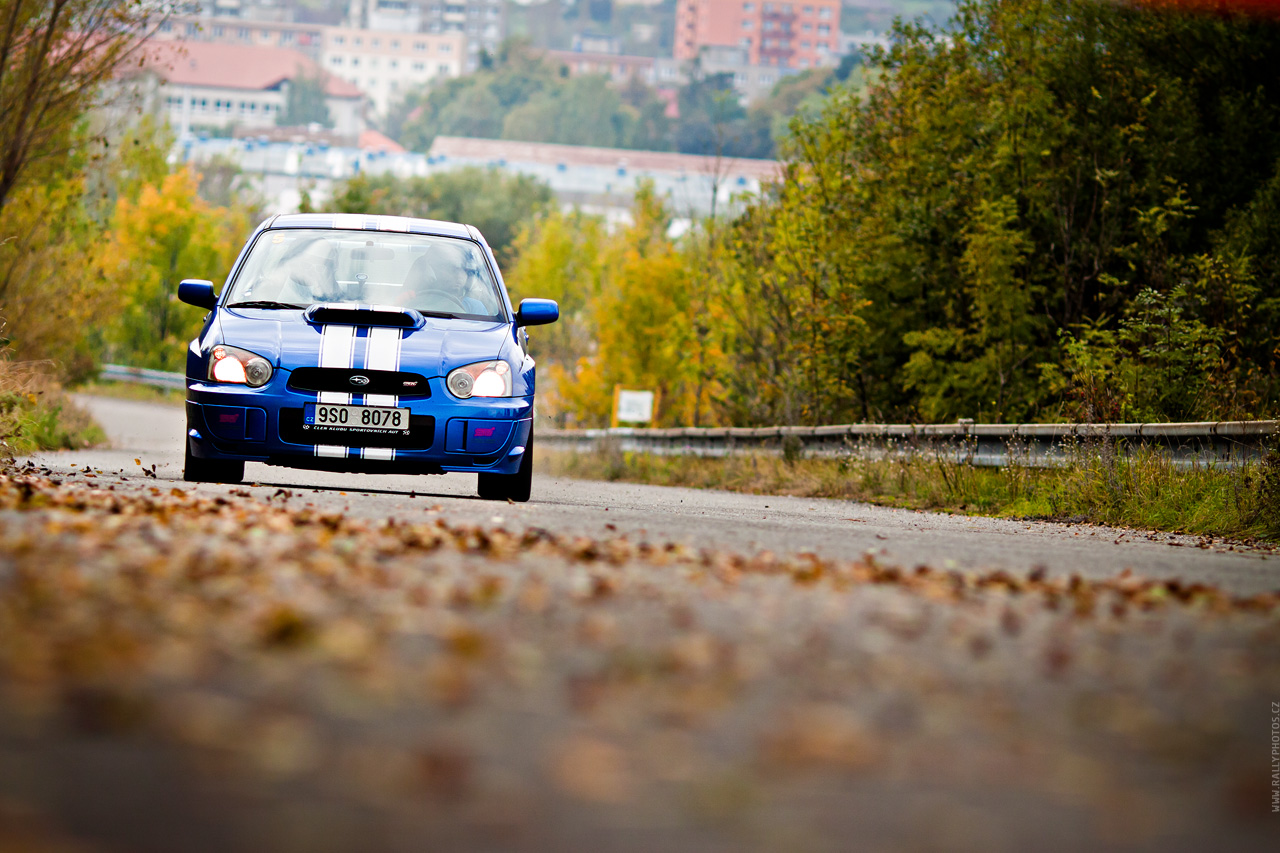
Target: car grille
394 382
422 431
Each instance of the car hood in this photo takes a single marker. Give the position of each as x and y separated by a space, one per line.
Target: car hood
287 340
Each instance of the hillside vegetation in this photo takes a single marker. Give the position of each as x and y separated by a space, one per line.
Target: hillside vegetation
1055 210
521 94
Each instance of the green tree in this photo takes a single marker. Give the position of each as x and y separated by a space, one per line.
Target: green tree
711 116
989 358
474 105
1052 209
494 201
585 110
306 102
522 95
1040 167
652 127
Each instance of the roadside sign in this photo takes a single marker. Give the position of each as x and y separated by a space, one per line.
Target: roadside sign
635 407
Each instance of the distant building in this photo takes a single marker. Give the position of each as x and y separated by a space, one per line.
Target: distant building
222 87
595 43
796 35
481 22
304 38
596 180
617 67
863 42
386 15
604 180
387 64
384 64
752 82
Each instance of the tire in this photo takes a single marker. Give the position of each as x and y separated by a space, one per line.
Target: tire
510 487
197 470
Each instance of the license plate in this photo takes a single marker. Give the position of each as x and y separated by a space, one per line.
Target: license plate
321 417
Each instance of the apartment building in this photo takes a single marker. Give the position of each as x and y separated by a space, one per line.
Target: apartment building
304 38
794 35
619 68
385 64
481 22
752 82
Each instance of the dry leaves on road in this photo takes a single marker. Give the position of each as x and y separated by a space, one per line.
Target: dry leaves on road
277 679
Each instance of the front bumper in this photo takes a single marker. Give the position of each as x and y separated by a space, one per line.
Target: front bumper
235 422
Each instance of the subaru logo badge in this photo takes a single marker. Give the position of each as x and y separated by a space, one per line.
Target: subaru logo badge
360 380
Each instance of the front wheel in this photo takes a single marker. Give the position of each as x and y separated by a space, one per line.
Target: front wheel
197 470
510 487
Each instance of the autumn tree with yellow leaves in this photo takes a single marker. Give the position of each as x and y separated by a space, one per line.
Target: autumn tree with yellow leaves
168 234
635 312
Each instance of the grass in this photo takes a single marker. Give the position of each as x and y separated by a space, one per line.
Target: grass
1142 490
36 414
133 391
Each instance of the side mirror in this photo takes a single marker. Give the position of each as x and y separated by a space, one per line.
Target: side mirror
537 312
197 292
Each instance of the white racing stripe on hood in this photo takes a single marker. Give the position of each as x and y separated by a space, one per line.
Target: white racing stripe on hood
383 354
337 348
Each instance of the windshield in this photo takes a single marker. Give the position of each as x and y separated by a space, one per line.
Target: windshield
298 267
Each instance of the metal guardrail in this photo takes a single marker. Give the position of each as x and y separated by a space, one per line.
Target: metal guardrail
143 376
1033 445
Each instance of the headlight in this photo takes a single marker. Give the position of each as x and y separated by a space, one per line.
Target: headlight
482 379
232 364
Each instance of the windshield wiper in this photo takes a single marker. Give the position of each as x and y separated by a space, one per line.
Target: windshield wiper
264 303
442 315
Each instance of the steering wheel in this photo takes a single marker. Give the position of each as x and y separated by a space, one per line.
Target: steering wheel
423 297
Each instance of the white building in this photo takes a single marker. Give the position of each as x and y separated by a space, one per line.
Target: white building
596 180
604 180
481 22
304 38
221 87
386 64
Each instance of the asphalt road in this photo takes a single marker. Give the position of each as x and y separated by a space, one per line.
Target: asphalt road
198 669
742 523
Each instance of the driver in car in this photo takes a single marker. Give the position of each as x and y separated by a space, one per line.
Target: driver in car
440 281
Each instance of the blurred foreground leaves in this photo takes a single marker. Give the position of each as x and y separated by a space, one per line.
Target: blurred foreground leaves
282 678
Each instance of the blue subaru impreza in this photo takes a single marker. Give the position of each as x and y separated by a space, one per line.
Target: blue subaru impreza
376 344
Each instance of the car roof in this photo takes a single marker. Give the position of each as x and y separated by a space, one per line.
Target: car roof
370 222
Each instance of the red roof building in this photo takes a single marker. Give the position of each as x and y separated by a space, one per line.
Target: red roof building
372 140
509 151
207 85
